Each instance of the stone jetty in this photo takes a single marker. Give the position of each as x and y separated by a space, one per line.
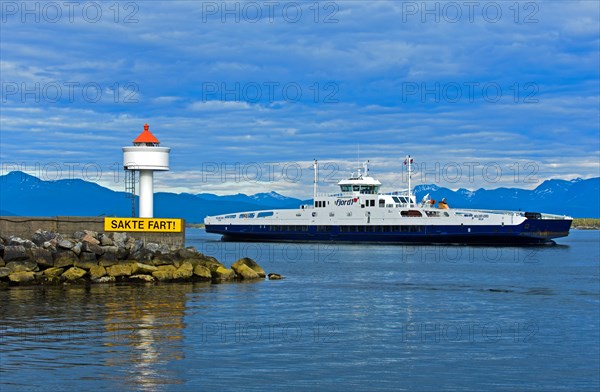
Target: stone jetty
92 257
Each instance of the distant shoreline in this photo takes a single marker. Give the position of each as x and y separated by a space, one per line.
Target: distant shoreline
586 223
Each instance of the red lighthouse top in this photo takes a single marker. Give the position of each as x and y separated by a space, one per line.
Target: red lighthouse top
146 137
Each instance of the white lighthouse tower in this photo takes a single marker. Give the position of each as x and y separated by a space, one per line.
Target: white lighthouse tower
146 156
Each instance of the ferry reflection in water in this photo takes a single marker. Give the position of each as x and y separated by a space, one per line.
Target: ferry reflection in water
136 331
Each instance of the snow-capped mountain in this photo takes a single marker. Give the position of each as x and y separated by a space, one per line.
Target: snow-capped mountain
22 194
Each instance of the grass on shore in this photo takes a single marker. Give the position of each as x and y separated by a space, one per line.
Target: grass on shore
586 223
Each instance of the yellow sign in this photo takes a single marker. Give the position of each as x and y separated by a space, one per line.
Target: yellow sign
159 225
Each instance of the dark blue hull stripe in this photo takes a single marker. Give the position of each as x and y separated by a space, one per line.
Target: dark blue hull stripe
529 232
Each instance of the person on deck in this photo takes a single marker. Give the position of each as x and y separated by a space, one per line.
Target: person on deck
442 204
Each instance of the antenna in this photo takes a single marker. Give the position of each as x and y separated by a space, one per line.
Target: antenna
316 168
408 161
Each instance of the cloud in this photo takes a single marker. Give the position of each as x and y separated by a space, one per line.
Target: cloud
383 77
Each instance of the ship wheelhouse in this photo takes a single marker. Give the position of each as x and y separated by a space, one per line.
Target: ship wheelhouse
360 185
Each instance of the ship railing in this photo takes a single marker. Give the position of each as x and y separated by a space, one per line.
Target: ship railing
396 193
338 194
502 212
511 213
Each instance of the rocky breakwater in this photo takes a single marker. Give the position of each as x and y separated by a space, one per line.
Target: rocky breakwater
91 257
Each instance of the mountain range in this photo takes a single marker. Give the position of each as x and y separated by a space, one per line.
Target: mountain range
25 195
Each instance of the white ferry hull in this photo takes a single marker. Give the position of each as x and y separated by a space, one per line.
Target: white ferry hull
516 230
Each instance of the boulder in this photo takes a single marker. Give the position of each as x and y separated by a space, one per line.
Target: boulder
185 271
105 240
142 254
211 263
53 272
245 272
43 257
22 266
223 274
145 278
90 237
74 273
77 248
1 250
18 241
187 253
253 265
78 235
120 239
87 256
105 279
15 253
273 276
42 236
109 256
92 248
4 272
202 272
164 272
152 247
92 233
21 277
50 245
2 263
137 246
97 271
65 258
85 264
164 249
65 243
130 243
163 259
119 270
122 253
139 268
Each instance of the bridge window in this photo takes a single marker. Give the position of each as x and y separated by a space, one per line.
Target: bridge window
264 214
411 213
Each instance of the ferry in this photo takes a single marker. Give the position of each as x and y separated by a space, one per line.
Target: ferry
359 212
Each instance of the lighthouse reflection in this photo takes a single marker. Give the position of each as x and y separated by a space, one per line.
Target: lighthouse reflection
144 333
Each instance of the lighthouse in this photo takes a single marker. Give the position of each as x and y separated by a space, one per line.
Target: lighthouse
145 157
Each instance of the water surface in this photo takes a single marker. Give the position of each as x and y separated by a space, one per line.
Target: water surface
347 317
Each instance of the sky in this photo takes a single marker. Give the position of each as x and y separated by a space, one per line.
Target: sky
247 94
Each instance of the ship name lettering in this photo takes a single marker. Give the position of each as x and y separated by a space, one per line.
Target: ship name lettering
343 202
